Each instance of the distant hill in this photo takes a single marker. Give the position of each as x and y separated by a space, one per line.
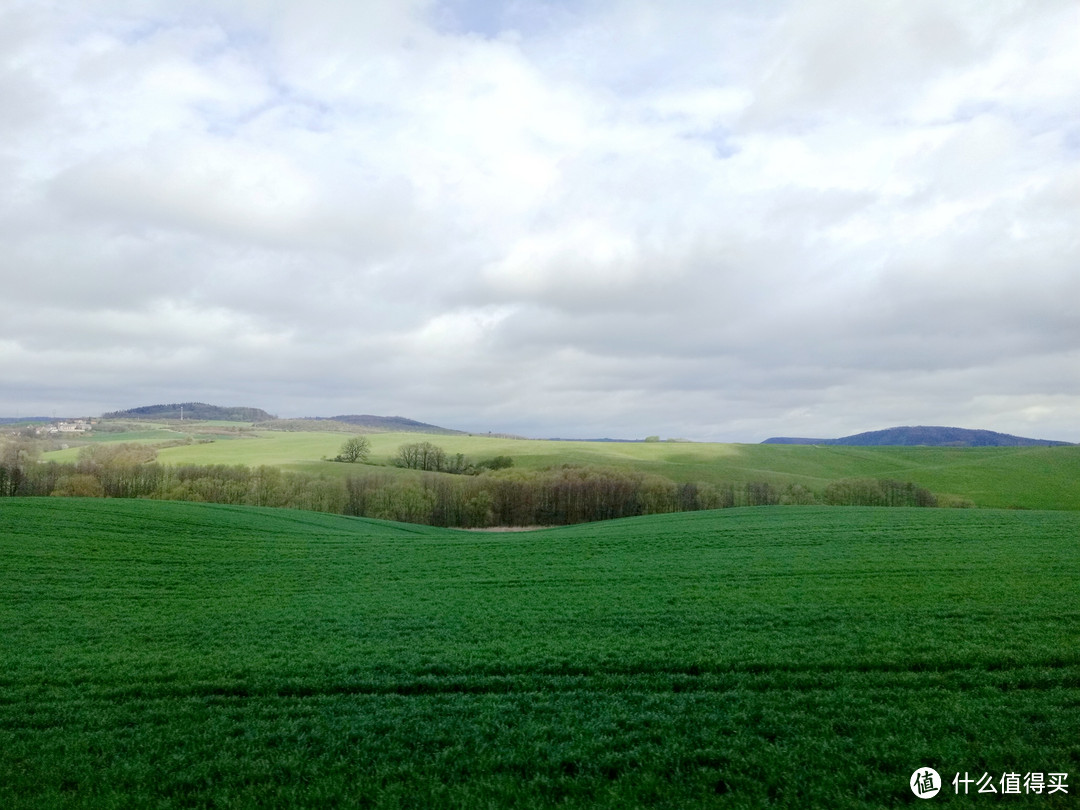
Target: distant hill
192 410
365 421
391 423
933 436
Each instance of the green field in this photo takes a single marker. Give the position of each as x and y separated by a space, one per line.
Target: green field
160 654
1004 477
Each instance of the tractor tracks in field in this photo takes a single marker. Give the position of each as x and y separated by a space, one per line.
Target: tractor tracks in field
1055 674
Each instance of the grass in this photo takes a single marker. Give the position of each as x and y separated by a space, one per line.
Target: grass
194 655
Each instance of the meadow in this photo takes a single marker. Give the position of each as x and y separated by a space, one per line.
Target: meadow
997 477
165 654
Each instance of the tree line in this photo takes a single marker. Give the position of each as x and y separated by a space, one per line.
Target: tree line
432 458
422 456
495 497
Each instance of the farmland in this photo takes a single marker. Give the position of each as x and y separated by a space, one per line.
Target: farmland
1004 477
194 655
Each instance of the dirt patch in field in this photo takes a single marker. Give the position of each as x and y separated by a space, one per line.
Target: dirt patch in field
509 529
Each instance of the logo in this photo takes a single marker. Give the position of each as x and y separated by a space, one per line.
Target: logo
925 783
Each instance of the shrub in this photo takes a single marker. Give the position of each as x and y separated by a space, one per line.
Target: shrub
497 463
80 485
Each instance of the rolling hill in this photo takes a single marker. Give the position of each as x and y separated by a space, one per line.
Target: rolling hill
200 411
924 436
388 424
192 410
1022 477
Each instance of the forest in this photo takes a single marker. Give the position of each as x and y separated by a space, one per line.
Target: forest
500 496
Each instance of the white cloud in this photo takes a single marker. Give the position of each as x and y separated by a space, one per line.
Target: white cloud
556 219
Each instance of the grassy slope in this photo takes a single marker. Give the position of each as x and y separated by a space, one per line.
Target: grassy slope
171 654
1028 477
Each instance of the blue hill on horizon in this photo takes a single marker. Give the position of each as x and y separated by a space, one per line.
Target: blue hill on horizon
925 436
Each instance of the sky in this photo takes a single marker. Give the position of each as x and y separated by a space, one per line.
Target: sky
718 221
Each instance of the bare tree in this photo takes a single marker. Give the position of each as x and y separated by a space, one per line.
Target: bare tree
356 449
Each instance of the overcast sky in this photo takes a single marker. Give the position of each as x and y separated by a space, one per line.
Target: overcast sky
712 220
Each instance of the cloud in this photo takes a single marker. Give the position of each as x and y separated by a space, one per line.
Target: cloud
545 218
